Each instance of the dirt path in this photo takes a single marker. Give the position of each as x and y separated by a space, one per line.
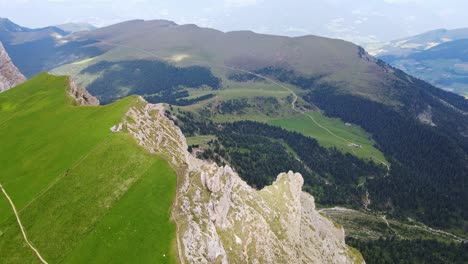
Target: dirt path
21 226
440 232
42 193
384 218
402 225
294 108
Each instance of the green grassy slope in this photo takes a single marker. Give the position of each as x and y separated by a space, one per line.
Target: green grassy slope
72 180
112 239
304 125
284 116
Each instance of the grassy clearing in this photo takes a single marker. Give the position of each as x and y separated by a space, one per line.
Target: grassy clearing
85 61
251 89
305 126
284 117
71 178
371 226
233 90
287 119
200 140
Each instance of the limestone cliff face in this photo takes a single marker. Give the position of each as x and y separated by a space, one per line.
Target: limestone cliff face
81 95
221 219
10 76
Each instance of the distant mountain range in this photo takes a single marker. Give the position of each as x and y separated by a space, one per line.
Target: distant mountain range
438 56
41 49
76 27
7 25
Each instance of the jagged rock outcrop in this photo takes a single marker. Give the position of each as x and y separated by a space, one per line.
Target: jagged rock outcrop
425 117
221 219
10 76
80 94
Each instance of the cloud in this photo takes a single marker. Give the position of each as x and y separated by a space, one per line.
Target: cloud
297 30
360 20
446 12
240 3
403 1
340 28
164 12
5 2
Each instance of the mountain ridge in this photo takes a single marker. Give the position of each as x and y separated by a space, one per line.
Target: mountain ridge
216 199
420 42
134 141
421 56
73 27
316 69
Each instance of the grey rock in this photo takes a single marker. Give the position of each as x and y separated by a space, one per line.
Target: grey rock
81 95
10 76
221 219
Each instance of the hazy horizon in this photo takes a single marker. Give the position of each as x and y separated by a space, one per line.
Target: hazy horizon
360 22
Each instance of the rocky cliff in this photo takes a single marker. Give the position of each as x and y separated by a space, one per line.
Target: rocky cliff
80 94
9 74
220 219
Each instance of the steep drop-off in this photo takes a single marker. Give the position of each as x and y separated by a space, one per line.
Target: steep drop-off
222 219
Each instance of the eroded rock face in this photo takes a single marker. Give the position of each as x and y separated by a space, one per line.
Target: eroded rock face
221 219
10 76
81 95
425 117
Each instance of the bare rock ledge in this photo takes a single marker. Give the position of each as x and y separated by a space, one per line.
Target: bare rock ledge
221 219
10 76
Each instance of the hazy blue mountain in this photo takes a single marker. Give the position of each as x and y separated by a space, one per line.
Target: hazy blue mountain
412 44
41 49
439 57
76 27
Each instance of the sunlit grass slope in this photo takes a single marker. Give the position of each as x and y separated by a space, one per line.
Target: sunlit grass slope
85 194
344 134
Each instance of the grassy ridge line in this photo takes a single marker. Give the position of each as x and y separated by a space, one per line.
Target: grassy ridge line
91 181
54 135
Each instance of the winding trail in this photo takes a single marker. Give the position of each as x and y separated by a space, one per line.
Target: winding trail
415 224
440 232
41 194
23 232
384 218
293 103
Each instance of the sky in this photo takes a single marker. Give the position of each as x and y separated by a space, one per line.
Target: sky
360 21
